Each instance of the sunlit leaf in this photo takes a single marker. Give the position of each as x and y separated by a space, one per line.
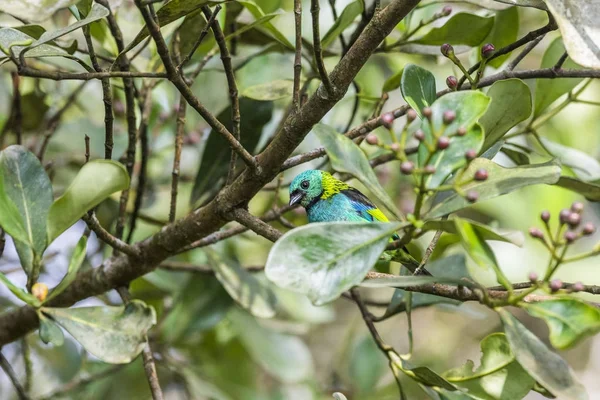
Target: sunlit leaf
76 260
462 28
20 293
323 260
541 363
570 320
498 377
418 87
95 181
585 167
346 156
487 233
115 335
270 91
259 14
34 10
352 10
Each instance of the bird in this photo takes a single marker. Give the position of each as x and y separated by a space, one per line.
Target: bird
327 199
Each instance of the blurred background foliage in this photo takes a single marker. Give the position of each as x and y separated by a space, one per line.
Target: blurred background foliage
208 348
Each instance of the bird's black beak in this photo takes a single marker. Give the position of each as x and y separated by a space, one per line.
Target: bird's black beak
296 197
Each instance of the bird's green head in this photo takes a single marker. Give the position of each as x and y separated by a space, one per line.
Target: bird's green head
306 187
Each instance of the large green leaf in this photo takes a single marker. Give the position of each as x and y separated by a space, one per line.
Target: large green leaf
17 40
503 33
569 320
27 185
283 356
511 104
20 293
74 264
499 376
585 167
243 287
259 14
34 10
346 156
462 28
486 232
418 87
578 24
500 181
547 367
323 260
352 10
589 190
547 91
115 335
274 90
95 181
10 216
468 106
215 160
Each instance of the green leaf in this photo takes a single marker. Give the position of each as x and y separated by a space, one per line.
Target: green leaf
270 91
346 156
393 82
189 32
366 365
487 233
462 28
468 106
258 23
585 167
570 320
323 260
95 181
423 375
215 160
259 14
74 264
10 37
499 376
34 10
503 33
501 181
578 24
10 216
20 293
539 4
589 190
418 87
511 104
115 335
541 363
283 356
50 332
475 246
28 187
243 287
352 10
547 91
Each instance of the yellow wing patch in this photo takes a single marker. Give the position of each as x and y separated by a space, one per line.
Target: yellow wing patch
377 214
331 185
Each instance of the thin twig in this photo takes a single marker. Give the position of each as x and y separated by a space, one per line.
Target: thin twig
530 46
318 52
13 377
561 61
114 242
80 382
179 132
87 76
429 250
255 224
203 33
87 148
297 54
26 350
17 117
201 269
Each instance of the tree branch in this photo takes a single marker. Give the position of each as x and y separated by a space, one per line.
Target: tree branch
318 52
5 365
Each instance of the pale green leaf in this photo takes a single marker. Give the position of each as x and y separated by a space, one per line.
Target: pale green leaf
461 28
352 10
74 264
418 87
270 91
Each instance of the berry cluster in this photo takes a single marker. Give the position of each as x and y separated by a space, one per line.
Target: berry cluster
487 51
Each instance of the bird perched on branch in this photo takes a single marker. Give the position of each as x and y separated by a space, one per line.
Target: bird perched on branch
328 199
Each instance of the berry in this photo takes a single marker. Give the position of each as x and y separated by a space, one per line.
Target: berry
555 285
545 216
462 131
419 135
447 10
470 154
589 229
407 167
40 291
452 82
536 233
481 175
577 207
411 115
448 117
578 287
447 50
472 196
443 142
570 236
429 169
564 215
487 50
574 219
387 120
395 147
372 139
533 277
427 112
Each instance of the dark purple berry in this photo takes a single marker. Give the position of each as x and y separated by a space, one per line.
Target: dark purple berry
536 233
487 50
589 229
448 117
472 196
555 285
407 167
427 112
564 215
447 10
577 287
577 207
452 82
574 219
447 50
570 236
545 216
533 277
443 143
470 154
481 175
462 131
372 139
411 115
387 120
419 135
429 169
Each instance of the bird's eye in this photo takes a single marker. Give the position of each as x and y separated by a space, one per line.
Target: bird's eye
304 185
